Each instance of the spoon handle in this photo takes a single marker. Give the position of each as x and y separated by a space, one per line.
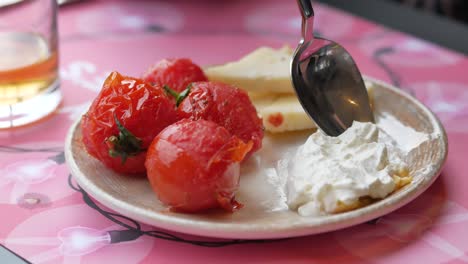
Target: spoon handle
307 12
306 8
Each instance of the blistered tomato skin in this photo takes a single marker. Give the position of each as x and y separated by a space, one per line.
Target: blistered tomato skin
227 106
175 73
194 166
143 110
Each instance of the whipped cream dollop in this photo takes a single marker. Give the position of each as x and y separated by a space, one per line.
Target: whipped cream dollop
329 174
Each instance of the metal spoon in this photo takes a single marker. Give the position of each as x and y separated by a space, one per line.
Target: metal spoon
327 81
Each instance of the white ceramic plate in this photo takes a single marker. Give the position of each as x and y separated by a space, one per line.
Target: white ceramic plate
265 215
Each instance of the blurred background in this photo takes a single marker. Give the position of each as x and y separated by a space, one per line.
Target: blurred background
443 22
453 9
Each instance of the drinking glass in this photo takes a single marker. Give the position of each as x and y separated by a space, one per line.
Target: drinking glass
29 79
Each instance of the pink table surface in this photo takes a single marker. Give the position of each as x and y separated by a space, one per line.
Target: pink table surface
100 36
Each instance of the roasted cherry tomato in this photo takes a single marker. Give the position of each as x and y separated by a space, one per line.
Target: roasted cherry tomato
194 166
123 120
174 73
227 106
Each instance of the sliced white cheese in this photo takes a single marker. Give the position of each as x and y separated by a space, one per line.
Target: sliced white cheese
264 70
265 75
282 113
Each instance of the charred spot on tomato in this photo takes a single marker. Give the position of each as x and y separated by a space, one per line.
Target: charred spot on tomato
276 119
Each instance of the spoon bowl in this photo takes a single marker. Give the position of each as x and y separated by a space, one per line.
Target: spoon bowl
327 81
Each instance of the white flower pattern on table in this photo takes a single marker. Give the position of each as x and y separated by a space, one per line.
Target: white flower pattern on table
33 175
23 174
398 230
407 51
74 112
84 74
58 236
128 17
448 100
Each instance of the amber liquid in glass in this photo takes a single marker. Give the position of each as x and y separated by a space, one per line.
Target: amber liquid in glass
28 66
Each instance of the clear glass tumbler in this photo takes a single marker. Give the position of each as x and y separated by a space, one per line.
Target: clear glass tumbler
29 77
